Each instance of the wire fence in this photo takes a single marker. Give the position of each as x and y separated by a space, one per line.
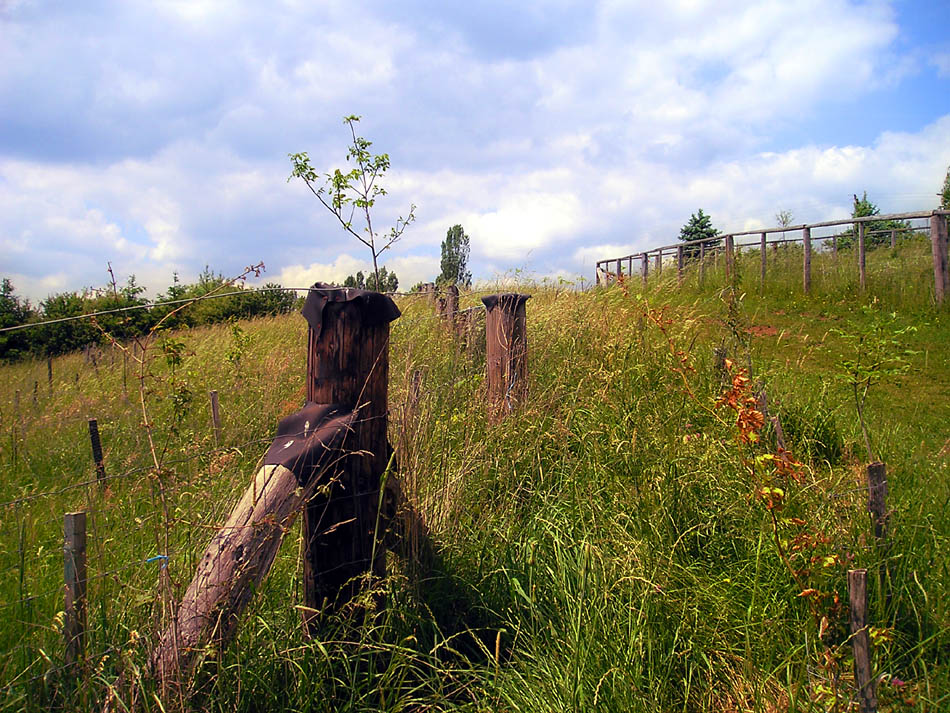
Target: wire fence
159 521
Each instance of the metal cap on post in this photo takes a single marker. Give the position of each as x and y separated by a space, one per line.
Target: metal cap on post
506 354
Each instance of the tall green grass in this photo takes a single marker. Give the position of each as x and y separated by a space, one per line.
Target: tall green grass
599 549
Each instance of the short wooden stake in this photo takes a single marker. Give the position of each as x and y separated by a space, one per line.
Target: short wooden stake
893 239
860 641
938 245
877 500
862 268
36 393
74 577
730 257
216 418
806 267
450 314
96 449
702 263
506 356
763 258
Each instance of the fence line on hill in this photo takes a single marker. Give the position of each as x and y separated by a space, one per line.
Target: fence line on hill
505 358
695 254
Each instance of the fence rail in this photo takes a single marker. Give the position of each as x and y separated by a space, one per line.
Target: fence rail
612 269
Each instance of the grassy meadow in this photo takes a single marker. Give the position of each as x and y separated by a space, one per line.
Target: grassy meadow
619 543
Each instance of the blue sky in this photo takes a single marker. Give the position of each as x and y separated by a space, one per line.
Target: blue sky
155 135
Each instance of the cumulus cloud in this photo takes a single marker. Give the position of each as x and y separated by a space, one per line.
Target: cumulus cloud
552 131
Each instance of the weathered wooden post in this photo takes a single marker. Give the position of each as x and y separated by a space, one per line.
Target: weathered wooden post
630 266
730 257
644 268
893 239
450 314
619 272
659 262
506 355
806 268
96 449
74 579
860 641
862 269
679 264
216 417
49 374
762 256
877 500
702 263
938 246
347 365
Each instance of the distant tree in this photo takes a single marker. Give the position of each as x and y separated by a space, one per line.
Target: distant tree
388 282
876 232
358 281
784 218
14 310
945 193
455 251
698 227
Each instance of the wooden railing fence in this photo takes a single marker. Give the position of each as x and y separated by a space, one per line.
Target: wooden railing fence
697 252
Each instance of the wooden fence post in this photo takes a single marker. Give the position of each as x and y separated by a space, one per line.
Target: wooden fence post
630 266
96 449
49 374
834 246
877 500
762 249
450 314
644 268
806 268
702 263
347 365
619 271
679 264
659 262
215 418
74 577
506 352
730 257
862 269
938 245
860 641
893 239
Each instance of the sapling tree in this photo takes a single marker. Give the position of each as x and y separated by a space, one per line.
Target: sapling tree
347 194
876 352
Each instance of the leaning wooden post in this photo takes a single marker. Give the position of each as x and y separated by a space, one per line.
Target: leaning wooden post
730 257
96 449
506 355
806 266
860 641
644 268
763 257
74 579
216 417
348 365
680 263
862 268
938 245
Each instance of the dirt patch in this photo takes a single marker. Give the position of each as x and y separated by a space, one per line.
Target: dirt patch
762 330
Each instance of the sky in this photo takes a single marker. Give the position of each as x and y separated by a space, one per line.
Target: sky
155 136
